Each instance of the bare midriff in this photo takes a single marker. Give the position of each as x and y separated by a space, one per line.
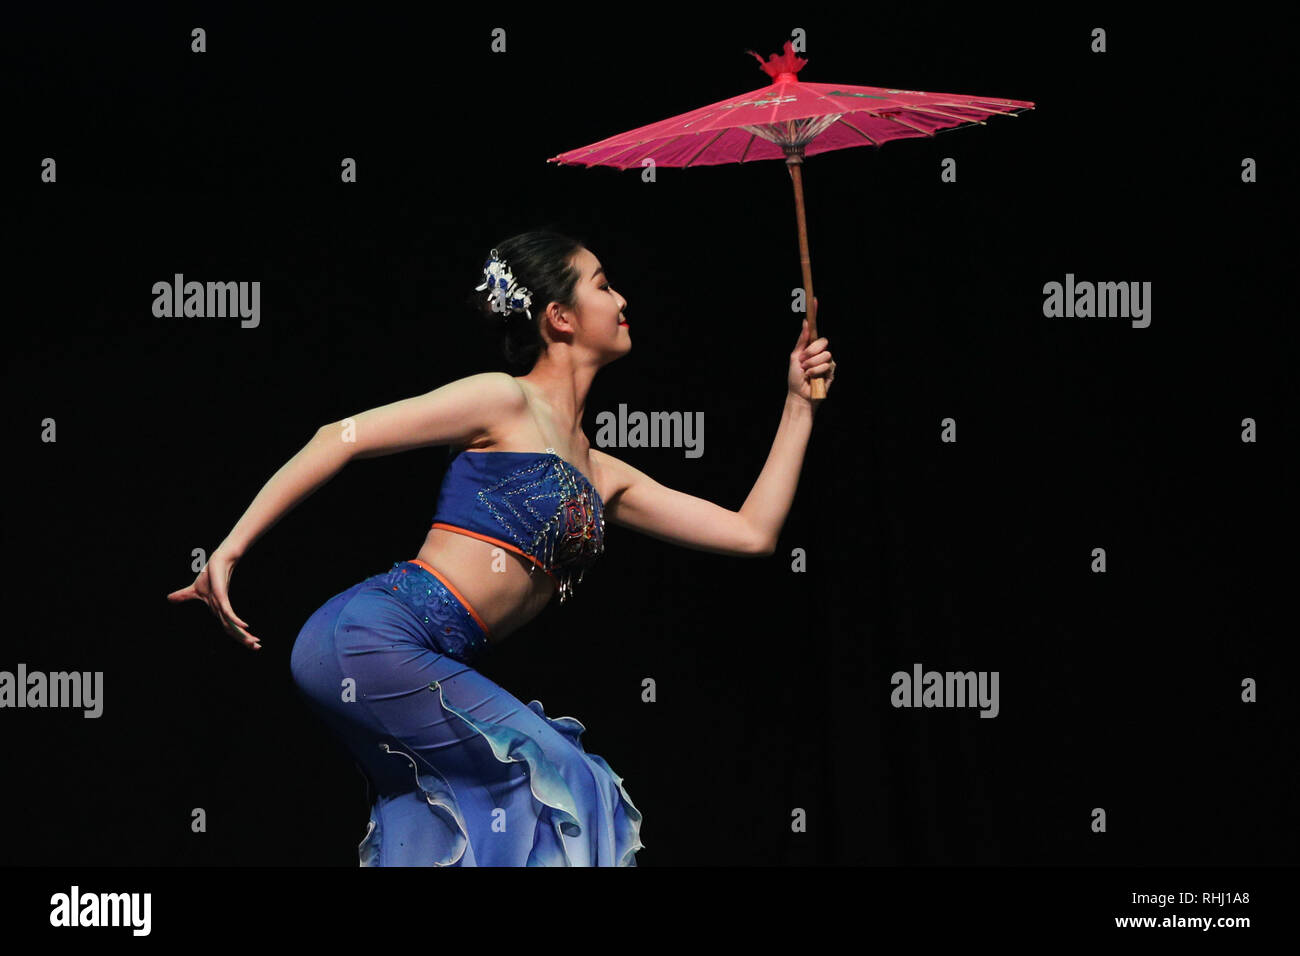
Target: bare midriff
492 579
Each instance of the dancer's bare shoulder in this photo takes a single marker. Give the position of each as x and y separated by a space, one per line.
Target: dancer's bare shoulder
453 414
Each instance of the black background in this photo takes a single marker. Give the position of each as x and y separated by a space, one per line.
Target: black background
1118 690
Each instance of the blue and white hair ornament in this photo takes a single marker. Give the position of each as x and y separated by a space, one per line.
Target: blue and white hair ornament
505 293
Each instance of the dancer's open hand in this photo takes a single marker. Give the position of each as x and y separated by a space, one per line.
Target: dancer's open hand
810 360
212 586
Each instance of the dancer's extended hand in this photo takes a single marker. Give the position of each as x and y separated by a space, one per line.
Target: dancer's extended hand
213 585
810 360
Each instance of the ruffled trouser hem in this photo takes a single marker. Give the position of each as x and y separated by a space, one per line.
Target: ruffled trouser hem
557 812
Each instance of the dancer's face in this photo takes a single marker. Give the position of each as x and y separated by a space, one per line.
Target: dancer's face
600 307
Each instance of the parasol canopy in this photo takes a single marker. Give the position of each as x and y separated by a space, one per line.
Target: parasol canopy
789 119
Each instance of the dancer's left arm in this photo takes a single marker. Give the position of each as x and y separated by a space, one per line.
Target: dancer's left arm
643 504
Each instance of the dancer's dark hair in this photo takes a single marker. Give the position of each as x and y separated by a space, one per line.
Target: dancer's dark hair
541 262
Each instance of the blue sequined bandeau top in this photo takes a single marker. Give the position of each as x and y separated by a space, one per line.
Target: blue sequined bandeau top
535 504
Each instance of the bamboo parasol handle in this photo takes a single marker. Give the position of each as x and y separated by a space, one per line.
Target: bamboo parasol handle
794 163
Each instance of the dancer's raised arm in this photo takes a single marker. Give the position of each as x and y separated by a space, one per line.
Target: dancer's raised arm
639 502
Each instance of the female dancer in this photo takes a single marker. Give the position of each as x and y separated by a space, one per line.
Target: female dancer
464 773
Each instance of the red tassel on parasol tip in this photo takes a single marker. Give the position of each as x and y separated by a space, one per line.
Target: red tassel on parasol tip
780 63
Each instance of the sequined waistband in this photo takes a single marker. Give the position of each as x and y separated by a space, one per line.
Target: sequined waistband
452 624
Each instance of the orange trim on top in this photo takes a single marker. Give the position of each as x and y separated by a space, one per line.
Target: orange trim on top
505 544
459 597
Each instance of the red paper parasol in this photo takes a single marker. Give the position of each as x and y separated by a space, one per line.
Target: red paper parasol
789 119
